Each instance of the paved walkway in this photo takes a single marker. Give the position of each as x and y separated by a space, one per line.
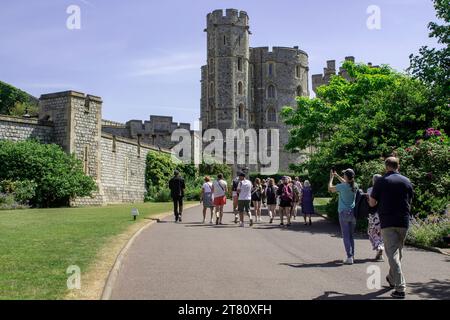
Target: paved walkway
195 261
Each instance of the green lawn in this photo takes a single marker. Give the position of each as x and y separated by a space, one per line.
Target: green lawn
37 246
320 204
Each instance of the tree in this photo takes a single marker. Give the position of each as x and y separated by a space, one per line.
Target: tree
358 120
432 65
15 102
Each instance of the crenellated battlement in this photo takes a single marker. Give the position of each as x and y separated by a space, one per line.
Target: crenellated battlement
231 17
278 54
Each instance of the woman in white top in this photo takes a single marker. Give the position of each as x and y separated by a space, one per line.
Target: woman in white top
219 189
207 199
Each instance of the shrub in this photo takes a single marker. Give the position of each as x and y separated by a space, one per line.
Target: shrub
158 171
429 232
58 176
22 191
365 172
427 164
214 169
7 201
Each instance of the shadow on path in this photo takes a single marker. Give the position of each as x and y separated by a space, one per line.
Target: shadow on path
331 264
333 295
435 289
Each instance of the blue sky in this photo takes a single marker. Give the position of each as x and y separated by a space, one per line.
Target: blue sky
144 56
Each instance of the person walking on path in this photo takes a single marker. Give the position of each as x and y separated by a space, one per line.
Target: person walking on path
207 199
374 230
245 197
257 192
271 195
219 190
286 196
296 198
393 194
263 196
307 202
177 187
347 219
235 199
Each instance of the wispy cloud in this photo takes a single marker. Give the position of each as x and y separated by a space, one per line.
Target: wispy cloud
167 64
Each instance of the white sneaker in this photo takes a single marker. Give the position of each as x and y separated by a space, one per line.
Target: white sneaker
348 261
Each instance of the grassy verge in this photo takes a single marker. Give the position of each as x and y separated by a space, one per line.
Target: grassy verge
320 205
37 246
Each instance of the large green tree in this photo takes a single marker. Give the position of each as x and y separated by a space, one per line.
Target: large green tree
15 102
432 65
361 119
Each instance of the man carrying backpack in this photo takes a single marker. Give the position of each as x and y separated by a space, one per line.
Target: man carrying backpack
286 197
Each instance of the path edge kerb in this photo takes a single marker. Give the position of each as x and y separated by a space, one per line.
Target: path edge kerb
114 272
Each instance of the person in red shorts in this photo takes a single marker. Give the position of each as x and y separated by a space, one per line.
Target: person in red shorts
219 189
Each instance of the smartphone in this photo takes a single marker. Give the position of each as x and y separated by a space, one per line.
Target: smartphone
333 169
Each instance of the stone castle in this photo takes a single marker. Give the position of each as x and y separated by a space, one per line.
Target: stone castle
113 154
242 87
245 87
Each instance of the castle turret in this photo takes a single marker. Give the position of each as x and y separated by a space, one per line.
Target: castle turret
227 79
77 124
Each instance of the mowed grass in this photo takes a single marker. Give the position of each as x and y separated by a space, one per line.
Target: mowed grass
37 246
320 204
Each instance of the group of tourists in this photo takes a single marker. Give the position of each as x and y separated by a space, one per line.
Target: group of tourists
388 203
390 198
284 198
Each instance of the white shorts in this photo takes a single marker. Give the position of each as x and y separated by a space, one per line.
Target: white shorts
235 194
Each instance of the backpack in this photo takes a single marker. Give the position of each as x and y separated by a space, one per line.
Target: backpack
296 194
286 194
362 207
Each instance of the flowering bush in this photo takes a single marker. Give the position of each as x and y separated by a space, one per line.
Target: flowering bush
429 232
427 164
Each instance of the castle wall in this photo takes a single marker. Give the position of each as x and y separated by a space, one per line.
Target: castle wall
19 129
123 164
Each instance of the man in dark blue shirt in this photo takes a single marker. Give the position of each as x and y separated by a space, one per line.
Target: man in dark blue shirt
393 194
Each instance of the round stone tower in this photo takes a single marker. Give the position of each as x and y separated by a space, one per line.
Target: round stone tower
227 84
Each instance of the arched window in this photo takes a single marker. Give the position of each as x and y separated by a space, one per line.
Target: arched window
271 115
297 71
240 88
299 91
241 112
211 65
224 40
239 64
271 92
211 89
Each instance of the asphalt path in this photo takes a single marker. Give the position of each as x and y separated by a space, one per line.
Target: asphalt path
190 261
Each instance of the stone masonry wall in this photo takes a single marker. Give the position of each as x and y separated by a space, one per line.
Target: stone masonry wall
123 164
19 129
